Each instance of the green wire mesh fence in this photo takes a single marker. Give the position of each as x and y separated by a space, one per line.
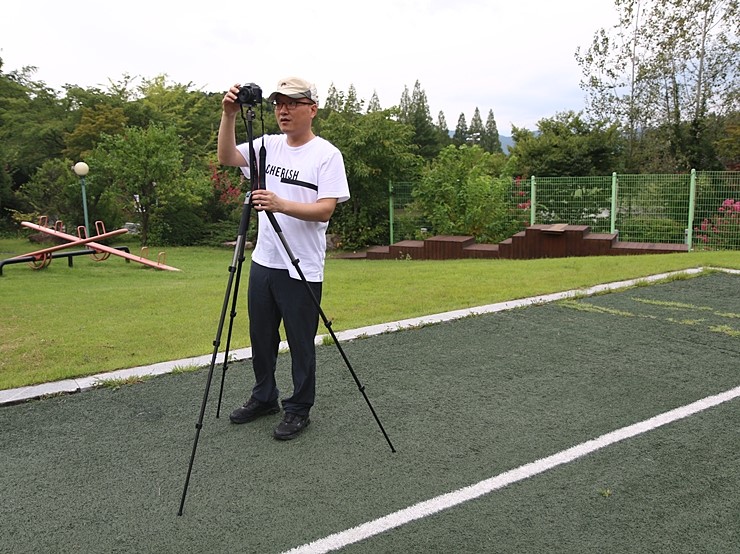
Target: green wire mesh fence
701 209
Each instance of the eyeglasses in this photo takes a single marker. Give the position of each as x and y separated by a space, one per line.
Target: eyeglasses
291 105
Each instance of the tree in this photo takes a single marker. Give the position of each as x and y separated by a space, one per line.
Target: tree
475 129
377 149
333 100
352 104
93 123
341 102
193 114
404 106
728 143
374 104
32 123
415 112
461 194
54 191
143 167
461 131
7 199
490 140
660 72
567 145
443 131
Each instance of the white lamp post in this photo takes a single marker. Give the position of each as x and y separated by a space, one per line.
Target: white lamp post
82 169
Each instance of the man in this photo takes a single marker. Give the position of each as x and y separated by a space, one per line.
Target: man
305 179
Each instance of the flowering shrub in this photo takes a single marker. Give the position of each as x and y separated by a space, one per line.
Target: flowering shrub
521 192
723 229
226 197
223 188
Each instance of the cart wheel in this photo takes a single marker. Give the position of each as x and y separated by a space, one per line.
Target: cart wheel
100 256
41 261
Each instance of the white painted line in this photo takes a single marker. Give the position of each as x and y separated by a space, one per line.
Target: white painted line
445 501
501 306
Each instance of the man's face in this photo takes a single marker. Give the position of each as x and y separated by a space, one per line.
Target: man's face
294 115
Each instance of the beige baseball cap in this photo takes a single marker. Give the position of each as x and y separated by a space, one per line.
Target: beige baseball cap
295 87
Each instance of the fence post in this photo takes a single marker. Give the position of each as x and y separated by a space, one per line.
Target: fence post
533 200
613 217
390 207
692 205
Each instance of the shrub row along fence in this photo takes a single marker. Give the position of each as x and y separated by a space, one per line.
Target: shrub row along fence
700 209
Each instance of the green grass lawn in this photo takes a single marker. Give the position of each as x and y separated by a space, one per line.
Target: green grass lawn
64 322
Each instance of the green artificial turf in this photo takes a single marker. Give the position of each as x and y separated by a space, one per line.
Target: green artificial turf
103 471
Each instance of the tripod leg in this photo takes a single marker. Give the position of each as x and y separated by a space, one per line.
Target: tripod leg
232 316
327 323
234 269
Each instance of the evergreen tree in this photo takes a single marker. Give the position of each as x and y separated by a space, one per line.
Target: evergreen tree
374 105
490 140
475 129
414 111
404 107
443 130
419 104
333 100
442 123
352 104
461 131
425 134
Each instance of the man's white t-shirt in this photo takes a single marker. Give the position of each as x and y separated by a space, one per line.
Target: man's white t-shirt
306 174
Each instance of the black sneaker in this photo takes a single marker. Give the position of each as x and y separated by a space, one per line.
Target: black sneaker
291 426
252 410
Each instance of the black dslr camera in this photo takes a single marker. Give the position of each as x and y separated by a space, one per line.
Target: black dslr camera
249 95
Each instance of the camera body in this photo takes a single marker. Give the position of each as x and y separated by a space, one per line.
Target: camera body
249 95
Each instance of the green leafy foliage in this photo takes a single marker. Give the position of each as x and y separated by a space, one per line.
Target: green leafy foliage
661 73
376 149
650 229
567 145
460 194
144 169
138 132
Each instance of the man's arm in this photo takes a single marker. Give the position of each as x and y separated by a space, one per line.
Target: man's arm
227 151
321 210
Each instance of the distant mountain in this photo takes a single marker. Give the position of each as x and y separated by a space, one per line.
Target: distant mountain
506 143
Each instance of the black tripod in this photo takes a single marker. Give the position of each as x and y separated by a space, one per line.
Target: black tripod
257 179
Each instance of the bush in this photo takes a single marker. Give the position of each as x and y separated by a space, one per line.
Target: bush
645 229
722 230
180 228
222 232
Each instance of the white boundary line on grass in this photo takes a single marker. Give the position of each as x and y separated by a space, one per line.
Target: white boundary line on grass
11 396
449 500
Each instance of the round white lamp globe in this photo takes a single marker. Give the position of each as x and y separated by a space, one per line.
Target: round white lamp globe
81 169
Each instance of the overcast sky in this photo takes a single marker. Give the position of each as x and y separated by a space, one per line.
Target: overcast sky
513 57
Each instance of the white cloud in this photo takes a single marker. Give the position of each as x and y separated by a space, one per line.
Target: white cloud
514 58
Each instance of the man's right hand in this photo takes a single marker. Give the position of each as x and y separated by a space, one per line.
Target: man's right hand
229 103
